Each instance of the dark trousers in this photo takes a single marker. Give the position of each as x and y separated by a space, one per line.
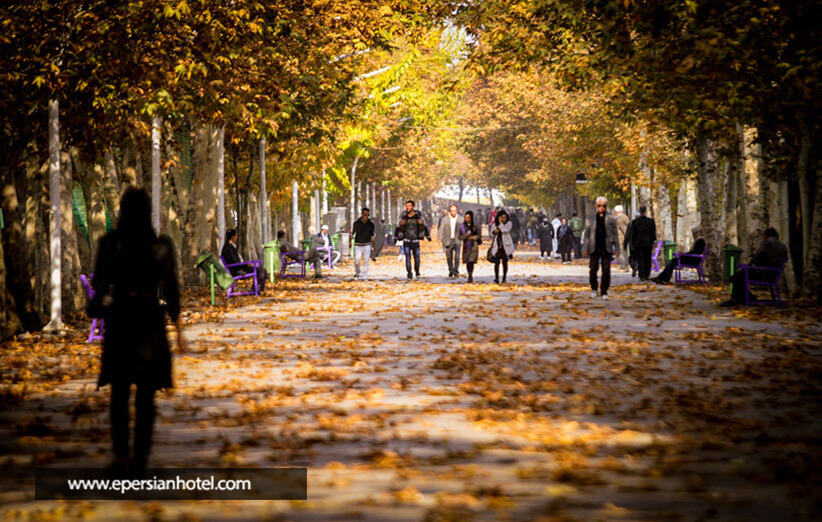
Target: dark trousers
452 255
470 267
643 260
565 255
412 247
597 259
143 423
504 260
577 249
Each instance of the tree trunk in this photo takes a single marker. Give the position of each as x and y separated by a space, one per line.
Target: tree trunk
732 174
663 214
687 217
806 188
742 190
461 182
37 236
73 293
778 210
156 183
812 276
16 295
707 172
55 237
111 185
295 214
353 214
84 177
756 188
96 206
253 228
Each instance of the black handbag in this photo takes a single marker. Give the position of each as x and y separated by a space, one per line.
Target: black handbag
493 258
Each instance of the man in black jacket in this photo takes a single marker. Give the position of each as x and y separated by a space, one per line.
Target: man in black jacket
601 245
643 238
412 229
362 233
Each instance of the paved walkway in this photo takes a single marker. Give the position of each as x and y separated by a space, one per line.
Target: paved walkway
437 400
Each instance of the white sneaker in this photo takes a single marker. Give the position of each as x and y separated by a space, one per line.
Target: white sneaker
594 294
604 297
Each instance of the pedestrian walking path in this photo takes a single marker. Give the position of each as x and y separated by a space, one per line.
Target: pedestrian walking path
438 400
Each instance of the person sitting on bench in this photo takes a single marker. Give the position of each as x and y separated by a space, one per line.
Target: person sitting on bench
312 256
665 276
771 254
325 239
232 256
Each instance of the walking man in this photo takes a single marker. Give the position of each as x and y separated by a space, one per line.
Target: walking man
411 230
643 239
448 234
363 234
601 246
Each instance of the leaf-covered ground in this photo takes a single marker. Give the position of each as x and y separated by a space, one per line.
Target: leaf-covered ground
435 400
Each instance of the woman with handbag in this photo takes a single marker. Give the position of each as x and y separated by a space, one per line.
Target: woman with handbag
136 281
470 234
502 244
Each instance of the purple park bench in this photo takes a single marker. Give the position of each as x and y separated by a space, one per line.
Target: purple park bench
286 261
239 277
655 256
97 325
762 276
328 252
696 262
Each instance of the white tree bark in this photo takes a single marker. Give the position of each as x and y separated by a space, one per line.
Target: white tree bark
662 211
221 187
687 215
265 222
295 214
55 241
353 192
325 198
156 183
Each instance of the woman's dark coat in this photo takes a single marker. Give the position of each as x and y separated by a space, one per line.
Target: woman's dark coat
546 236
135 346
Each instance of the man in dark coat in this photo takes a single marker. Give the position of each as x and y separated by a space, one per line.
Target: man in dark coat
545 232
771 254
643 238
601 245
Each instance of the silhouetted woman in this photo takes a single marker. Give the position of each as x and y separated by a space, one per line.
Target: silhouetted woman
470 234
502 245
135 284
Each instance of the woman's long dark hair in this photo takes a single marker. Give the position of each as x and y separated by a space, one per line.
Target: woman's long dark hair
470 213
134 231
499 215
